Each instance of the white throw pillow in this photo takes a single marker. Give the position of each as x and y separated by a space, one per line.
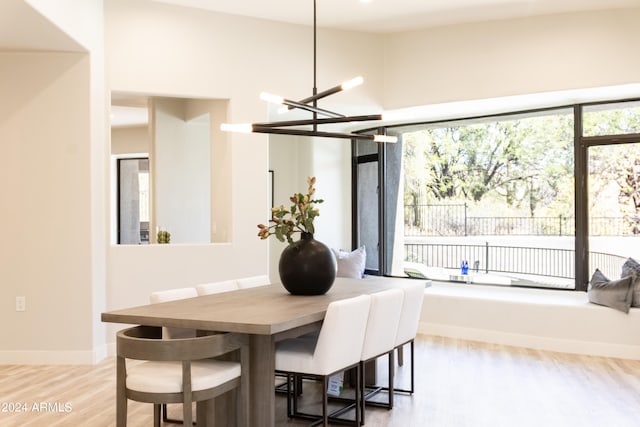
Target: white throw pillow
351 264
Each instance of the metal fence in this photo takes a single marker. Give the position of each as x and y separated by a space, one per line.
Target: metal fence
610 265
453 220
509 259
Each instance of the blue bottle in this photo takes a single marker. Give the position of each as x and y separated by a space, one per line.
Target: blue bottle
465 267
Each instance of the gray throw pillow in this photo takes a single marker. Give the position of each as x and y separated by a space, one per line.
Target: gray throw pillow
616 294
632 268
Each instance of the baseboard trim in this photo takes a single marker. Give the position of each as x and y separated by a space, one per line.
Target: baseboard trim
51 357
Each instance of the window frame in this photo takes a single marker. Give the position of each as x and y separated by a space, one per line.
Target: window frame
581 145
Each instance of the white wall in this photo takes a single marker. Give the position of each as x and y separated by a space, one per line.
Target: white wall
181 172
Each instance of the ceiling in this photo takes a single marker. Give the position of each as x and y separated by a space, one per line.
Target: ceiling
396 15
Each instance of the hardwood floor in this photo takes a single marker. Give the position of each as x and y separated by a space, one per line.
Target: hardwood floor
458 383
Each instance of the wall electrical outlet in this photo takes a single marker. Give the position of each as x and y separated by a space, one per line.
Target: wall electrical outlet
21 303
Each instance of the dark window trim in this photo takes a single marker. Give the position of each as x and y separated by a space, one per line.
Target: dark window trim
357 160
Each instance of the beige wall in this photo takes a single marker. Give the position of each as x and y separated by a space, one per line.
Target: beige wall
52 128
512 57
130 139
46 191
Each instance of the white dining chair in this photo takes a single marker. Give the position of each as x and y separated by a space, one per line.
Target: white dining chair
253 281
338 347
179 371
217 287
169 333
380 337
409 322
173 295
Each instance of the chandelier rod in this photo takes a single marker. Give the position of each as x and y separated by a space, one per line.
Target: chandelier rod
315 67
311 104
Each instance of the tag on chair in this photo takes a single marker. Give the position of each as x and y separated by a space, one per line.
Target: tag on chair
335 384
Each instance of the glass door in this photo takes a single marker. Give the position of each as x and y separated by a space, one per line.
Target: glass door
611 135
614 206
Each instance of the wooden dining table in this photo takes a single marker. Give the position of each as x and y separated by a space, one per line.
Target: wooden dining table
267 314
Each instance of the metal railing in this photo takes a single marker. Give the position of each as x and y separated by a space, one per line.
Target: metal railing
548 262
453 220
609 264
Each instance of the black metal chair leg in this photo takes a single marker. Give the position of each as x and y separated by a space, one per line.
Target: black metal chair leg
167 420
412 370
390 384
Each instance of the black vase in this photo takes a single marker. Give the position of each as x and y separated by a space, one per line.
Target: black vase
307 267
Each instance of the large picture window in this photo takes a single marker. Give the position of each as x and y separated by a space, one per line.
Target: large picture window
498 194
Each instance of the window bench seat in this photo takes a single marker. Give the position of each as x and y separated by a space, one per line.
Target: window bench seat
536 318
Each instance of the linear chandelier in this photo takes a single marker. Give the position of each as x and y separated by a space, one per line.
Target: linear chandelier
320 116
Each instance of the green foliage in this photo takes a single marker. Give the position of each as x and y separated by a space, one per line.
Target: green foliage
612 121
515 158
523 164
614 170
163 236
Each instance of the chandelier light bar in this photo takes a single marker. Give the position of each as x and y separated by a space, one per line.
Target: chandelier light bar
294 104
239 127
352 83
310 104
283 128
341 87
317 121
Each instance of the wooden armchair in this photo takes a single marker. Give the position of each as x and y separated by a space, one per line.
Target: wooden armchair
155 370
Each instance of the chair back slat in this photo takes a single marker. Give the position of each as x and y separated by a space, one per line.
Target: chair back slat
342 334
173 295
142 343
217 287
382 323
411 309
253 281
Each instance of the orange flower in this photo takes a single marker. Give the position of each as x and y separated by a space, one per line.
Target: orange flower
298 219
